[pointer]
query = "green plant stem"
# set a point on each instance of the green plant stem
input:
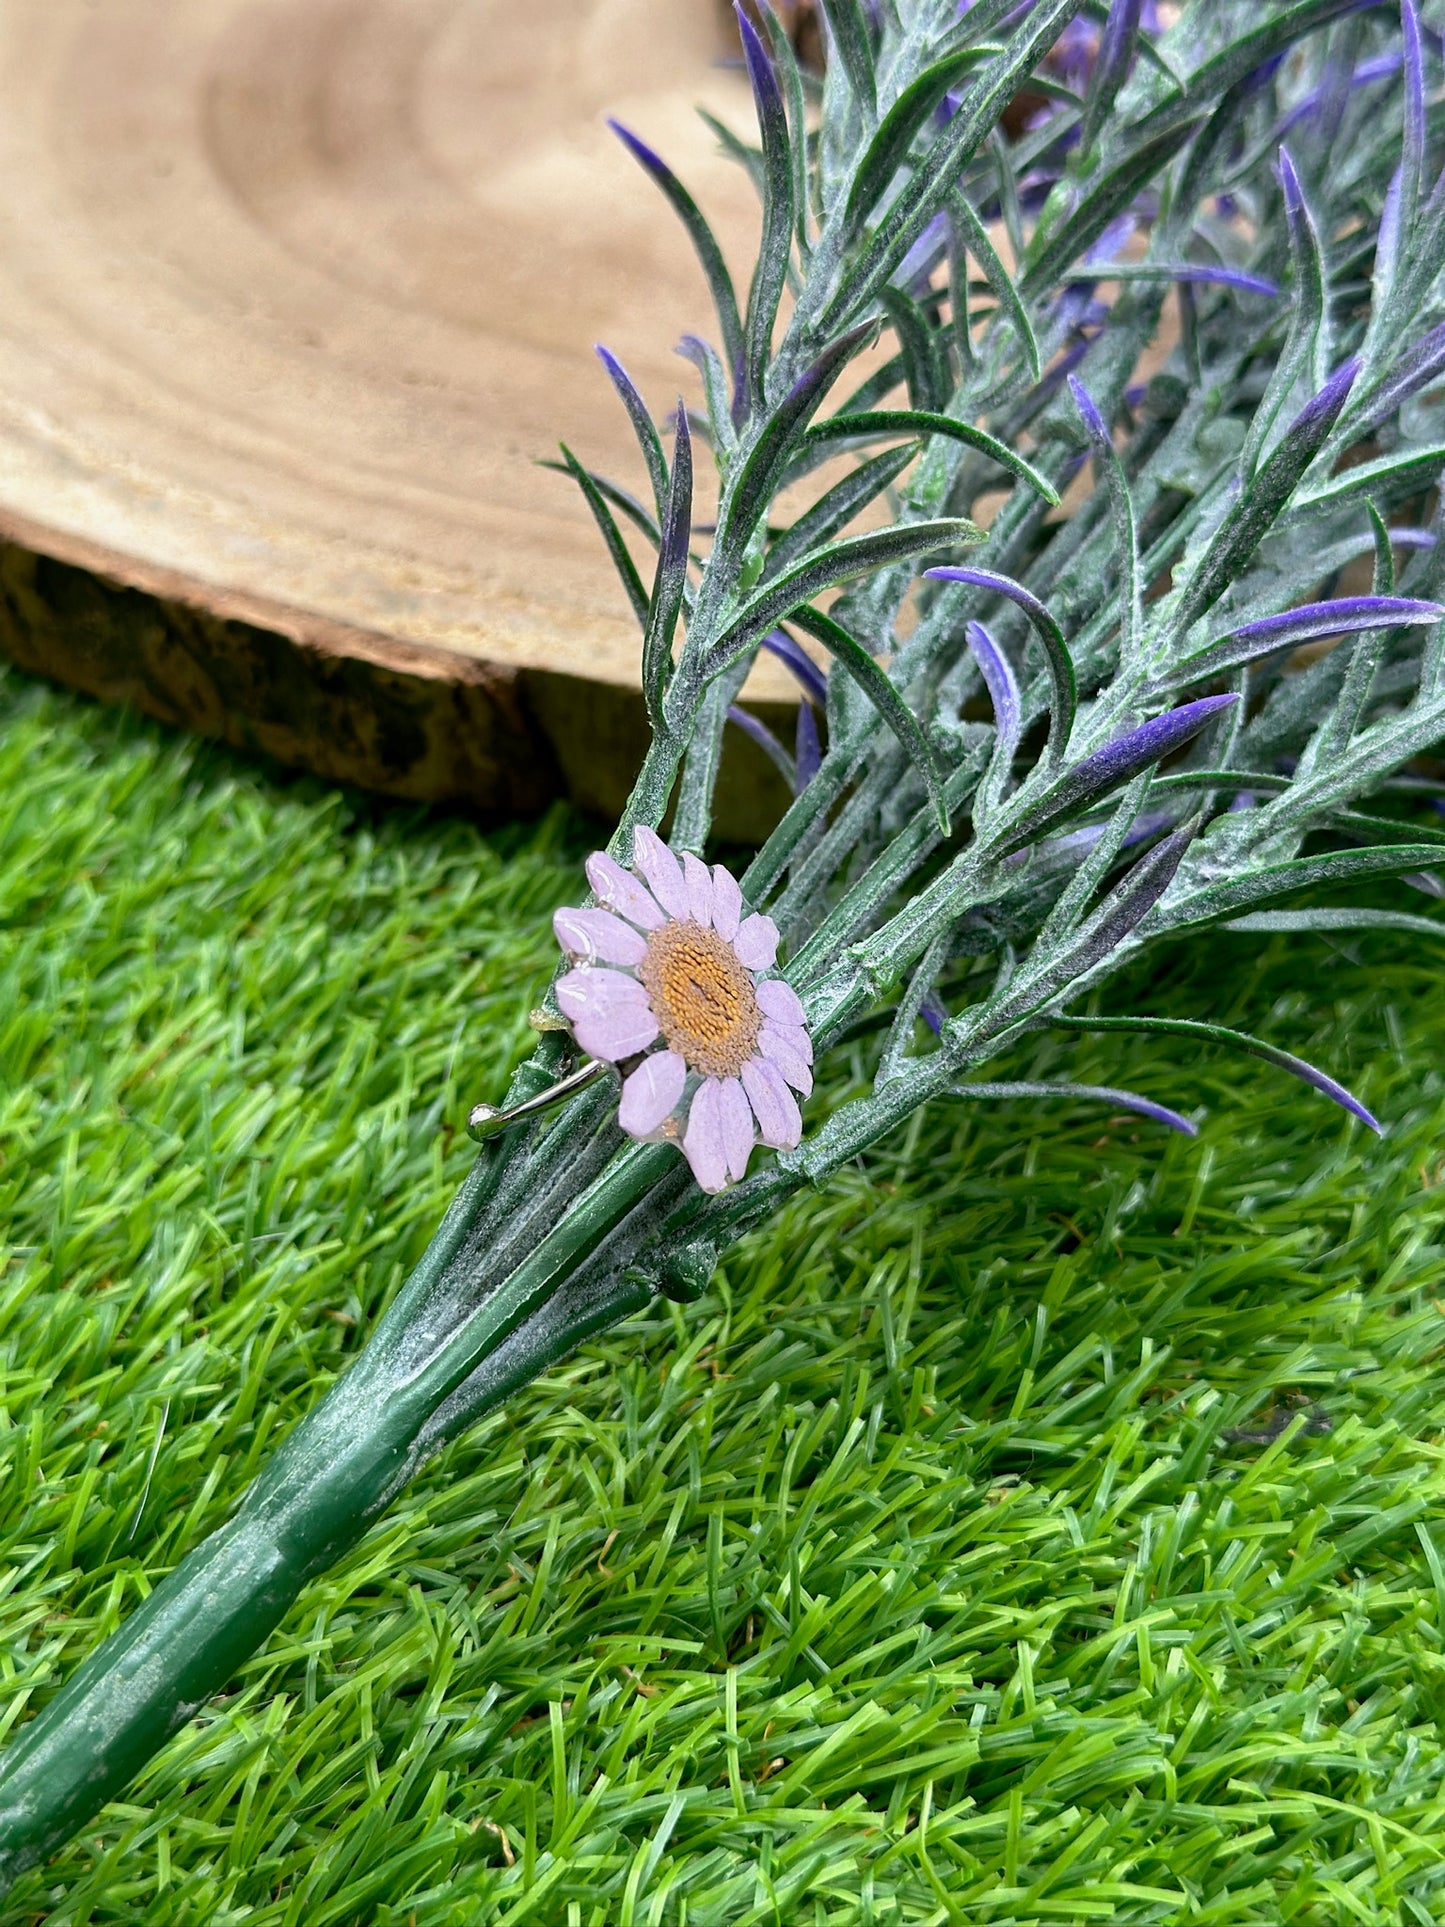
(335, 1473)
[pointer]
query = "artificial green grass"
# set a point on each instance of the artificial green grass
(913, 1575)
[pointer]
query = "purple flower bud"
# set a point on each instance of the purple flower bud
(1424, 364)
(1147, 744)
(1002, 688)
(814, 682)
(1344, 616)
(807, 751)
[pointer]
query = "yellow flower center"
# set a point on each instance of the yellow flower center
(702, 998)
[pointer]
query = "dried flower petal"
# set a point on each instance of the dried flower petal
(621, 891)
(651, 1094)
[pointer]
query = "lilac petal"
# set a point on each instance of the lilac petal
(780, 1001)
(704, 1145)
(698, 879)
(776, 1047)
(727, 902)
(652, 1093)
(660, 870)
(616, 1034)
(609, 1012)
(774, 1106)
(598, 936)
(998, 677)
(616, 1022)
(591, 988)
(792, 1037)
(737, 1126)
(756, 943)
(620, 891)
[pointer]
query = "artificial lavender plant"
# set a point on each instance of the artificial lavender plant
(1047, 736)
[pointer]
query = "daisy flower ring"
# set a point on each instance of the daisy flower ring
(667, 969)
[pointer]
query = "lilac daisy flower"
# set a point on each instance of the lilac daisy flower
(670, 960)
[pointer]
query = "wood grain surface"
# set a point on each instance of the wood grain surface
(294, 294)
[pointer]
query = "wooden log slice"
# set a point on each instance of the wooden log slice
(294, 294)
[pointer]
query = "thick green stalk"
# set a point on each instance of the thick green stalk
(335, 1473)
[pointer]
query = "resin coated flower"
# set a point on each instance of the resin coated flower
(666, 971)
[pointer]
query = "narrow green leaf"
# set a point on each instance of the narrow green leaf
(670, 583)
(643, 426)
(1305, 873)
(925, 364)
(1111, 70)
(849, 34)
(611, 535)
(1202, 1033)
(1109, 470)
(1300, 358)
(775, 245)
(761, 475)
(824, 568)
(888, 149)
(873, 680)
(919, 421)
(973, 235)
(703, 239)
(832, 512)
(1404, 473)
(1315, 922)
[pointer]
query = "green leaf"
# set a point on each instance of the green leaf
(643, 426)
(1109, 470)
(973, 235)
(851, 39)
(1201, 1033)
(824, 568)
(1111, 70)
(919, 421)
(761, 475)
(786, 61)
(1304, 922)
(775, 246)
(1302, 355)
(1217, 900)
(669, 586)
(888, 149)
(873, 680)
(925, 363)
(611, 535)
(1404, 473)
(835, 510)
(702, 237)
